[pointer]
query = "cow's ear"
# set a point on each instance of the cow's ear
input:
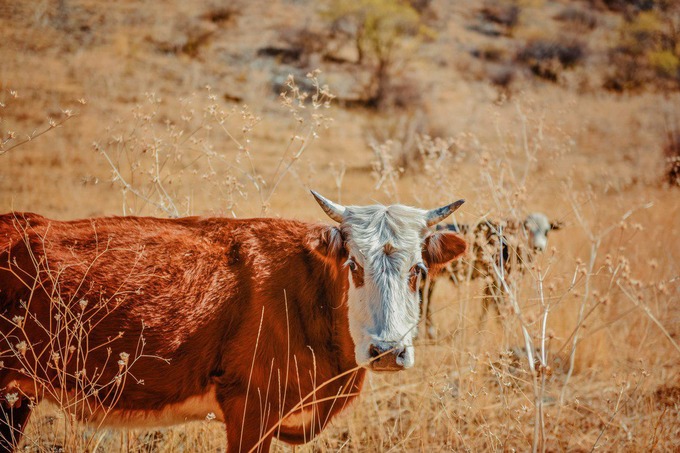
(442, 247)
(327, 241)
(557, 225)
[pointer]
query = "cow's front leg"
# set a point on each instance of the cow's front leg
(247, 429)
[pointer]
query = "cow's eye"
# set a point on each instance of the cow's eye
(352, 265)
(421, 269)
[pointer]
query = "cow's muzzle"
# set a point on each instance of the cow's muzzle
(387, 358)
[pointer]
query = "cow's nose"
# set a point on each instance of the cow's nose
(387, 358)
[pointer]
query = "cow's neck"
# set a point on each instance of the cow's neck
(337, 377)
(335, 307)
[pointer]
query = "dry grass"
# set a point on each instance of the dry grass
(598, 313)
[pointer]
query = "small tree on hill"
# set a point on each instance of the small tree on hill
(384, 33)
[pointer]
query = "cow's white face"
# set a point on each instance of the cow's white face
(537, 226)
(385, 251)
(389, 248)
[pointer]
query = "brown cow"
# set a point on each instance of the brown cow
(267, 325)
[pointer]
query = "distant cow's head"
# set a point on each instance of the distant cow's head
(537, 226)
(387, 249)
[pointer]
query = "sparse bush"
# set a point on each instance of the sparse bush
(499, 18)
(502, 76)
(647, 51)
(489, 52)
(382, 32)
(309, 41)
(547, 58)
(502, 13)
(403, 133)
(626, 6)
(298, 46)
(577, 18)
(671, 153)
(665, 62)
(220, 15)
(420, 5)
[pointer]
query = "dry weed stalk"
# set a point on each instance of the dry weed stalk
(384, 170)
(11, 141)
(156, 160)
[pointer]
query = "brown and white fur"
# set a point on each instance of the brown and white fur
(497, 249)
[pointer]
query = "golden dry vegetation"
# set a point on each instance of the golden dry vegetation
(173, 108)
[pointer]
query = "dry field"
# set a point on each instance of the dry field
(172, 108)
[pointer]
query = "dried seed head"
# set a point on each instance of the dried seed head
(21, 348)
(11, 398)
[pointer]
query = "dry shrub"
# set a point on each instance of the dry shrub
(496, 67)
(626, 6)
(647, 51)
(547, 58)
(220, 14)
(300, 47)
(499, 18)
(577, 19)
(506, 15)
(421, 6)
(671, 152)
(502, 76)
(489, 52)
(404, 132)
(385, 34)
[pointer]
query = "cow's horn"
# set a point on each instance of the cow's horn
(435, 216)
(335, 211)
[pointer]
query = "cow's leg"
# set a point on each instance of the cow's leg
(425, 292)
(245, 432)
(429, 323)
(430, 329)
(13, 421)
(421, 305)
(489, 299)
